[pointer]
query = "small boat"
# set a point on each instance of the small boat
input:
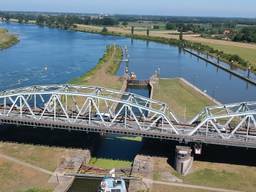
(112, 184)
(133, 76)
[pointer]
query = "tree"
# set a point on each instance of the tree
(125, 23)
(104, 30)
(170, 26)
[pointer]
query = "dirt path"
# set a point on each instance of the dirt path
(25, 164)
(150, 182)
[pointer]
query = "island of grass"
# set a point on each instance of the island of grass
(183, 100)
(7, 39)
(103, 74)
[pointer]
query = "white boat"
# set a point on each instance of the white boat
(110, 184)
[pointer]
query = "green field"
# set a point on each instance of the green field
(239, 178)
(109, 163)
(249, 54)
(183, 100)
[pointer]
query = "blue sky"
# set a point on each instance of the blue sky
(226, 8)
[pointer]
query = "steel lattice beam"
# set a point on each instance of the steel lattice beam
(111, 110)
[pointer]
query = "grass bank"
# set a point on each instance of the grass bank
(7, 39)
(109, 163)
(244, 52)
(103, 74)
(228, 176)
(182, 99)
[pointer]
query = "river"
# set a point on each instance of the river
(46, 56)
(49, 56)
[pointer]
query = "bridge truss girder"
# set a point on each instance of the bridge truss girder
(106, 109)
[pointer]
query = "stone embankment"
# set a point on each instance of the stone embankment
(70, 164)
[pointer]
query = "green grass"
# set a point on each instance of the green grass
(248, 54)
(184, 101)
(34, 154)
(5, 171)
(109, 163)
(216, 178)
(156, 176)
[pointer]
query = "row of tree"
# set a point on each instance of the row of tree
(213, 28)
(60, 20)
(246, 34)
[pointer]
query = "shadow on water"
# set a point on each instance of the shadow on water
(230, 155)
(113, 147)
(84, 185)
(117, 148)
(210, 153)
(47, 137)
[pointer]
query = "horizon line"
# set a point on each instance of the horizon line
(130, 14)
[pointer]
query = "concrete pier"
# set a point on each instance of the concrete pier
(183, 159)
(246, 78)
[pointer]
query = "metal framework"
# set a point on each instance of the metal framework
(97, 109)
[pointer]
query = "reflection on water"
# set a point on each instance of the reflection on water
(85, 185)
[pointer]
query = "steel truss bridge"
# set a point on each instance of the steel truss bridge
(106, 111)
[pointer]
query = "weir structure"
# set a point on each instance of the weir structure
(106, 111)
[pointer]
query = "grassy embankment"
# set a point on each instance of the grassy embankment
(7, 39)
(242, 54)
(244, 50)
(103, 74)
(182, 99)
(210, 174)
(16, 177)
(228, 176)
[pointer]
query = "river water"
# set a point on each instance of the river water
(49, 56)
(46, 56)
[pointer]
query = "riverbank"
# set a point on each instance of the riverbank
(240, 58)
(33, 159)
(6, 39)
(26, 163)
(236, 54)
(103, 74)
(184, 100)
(209, 173)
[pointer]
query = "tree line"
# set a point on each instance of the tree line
(60, 20)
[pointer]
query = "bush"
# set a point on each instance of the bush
(104, 30)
